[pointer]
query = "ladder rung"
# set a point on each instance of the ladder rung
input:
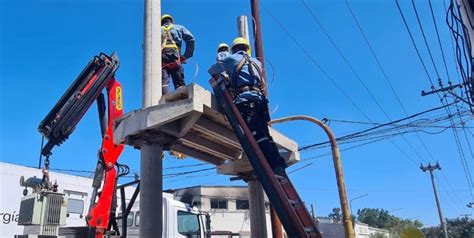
(281, 179)
(294, 203)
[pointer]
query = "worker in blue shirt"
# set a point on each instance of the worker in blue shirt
(244, 79)
(222, 51)
(172, 37)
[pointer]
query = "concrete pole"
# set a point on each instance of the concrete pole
(430, 168)
(258, 221)
(151, 187)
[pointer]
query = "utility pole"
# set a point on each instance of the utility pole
(431, 168)
(151, 164)
(277, 230)
(465, 10)
(258, 221)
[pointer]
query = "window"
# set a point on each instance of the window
(242, 204)
(196, 204)
(218, 204)
(75, 206)
(129, 219)
(137, 219)
(188, 224)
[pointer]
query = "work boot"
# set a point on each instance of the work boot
(280, 170)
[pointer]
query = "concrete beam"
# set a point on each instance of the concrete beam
(190, 119)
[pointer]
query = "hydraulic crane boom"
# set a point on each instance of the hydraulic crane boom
(281, 193)
(60, 122)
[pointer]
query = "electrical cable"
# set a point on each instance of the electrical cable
(424, 38)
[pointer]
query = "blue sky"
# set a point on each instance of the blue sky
(46, 43)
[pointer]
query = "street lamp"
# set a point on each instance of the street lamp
(350, 202)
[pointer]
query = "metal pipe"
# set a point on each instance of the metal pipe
(151, 164)
(242, 27)
(346, 214)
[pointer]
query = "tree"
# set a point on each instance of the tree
(336, 214)
(457, 228)
(377, 235)
(381, 218)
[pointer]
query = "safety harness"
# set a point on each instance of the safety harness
(254, 71)
(168, 41)
(170, 47)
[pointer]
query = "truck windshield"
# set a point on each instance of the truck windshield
(188, 224)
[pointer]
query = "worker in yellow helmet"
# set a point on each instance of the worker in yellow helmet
(244, 78)
(173, 36)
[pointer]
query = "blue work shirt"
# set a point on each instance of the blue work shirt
(229, 64)
(222, 55)
(180, 34)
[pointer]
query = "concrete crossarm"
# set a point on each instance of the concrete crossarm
(188, 121)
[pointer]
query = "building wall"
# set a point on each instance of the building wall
(365, 231)
(332, 229)
(228, 219)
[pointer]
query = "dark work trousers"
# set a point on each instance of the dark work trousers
(255, 113)
(176, 73)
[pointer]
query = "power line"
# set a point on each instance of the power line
(387, 79)
(413, 42)
(439, 39)
(354, 72)
(379, 64)
(324, 72)
(382, 125)
(424, 38)
(314, 61)
(339, 51)
(458, 146)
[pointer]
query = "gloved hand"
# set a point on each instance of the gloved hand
(183, 59)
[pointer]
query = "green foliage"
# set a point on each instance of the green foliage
(457, 228)
(381, 218)
(336, 214)
(377, 235)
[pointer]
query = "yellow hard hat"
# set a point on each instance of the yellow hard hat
(222, 47)
(241, 41)
(166, 16)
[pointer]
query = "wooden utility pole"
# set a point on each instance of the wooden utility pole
(431, 168)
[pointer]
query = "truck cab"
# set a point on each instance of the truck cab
(180, 220)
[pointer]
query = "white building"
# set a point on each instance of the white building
(227, 205)
(333, 229)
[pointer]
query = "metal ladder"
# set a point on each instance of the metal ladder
(291, 210)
